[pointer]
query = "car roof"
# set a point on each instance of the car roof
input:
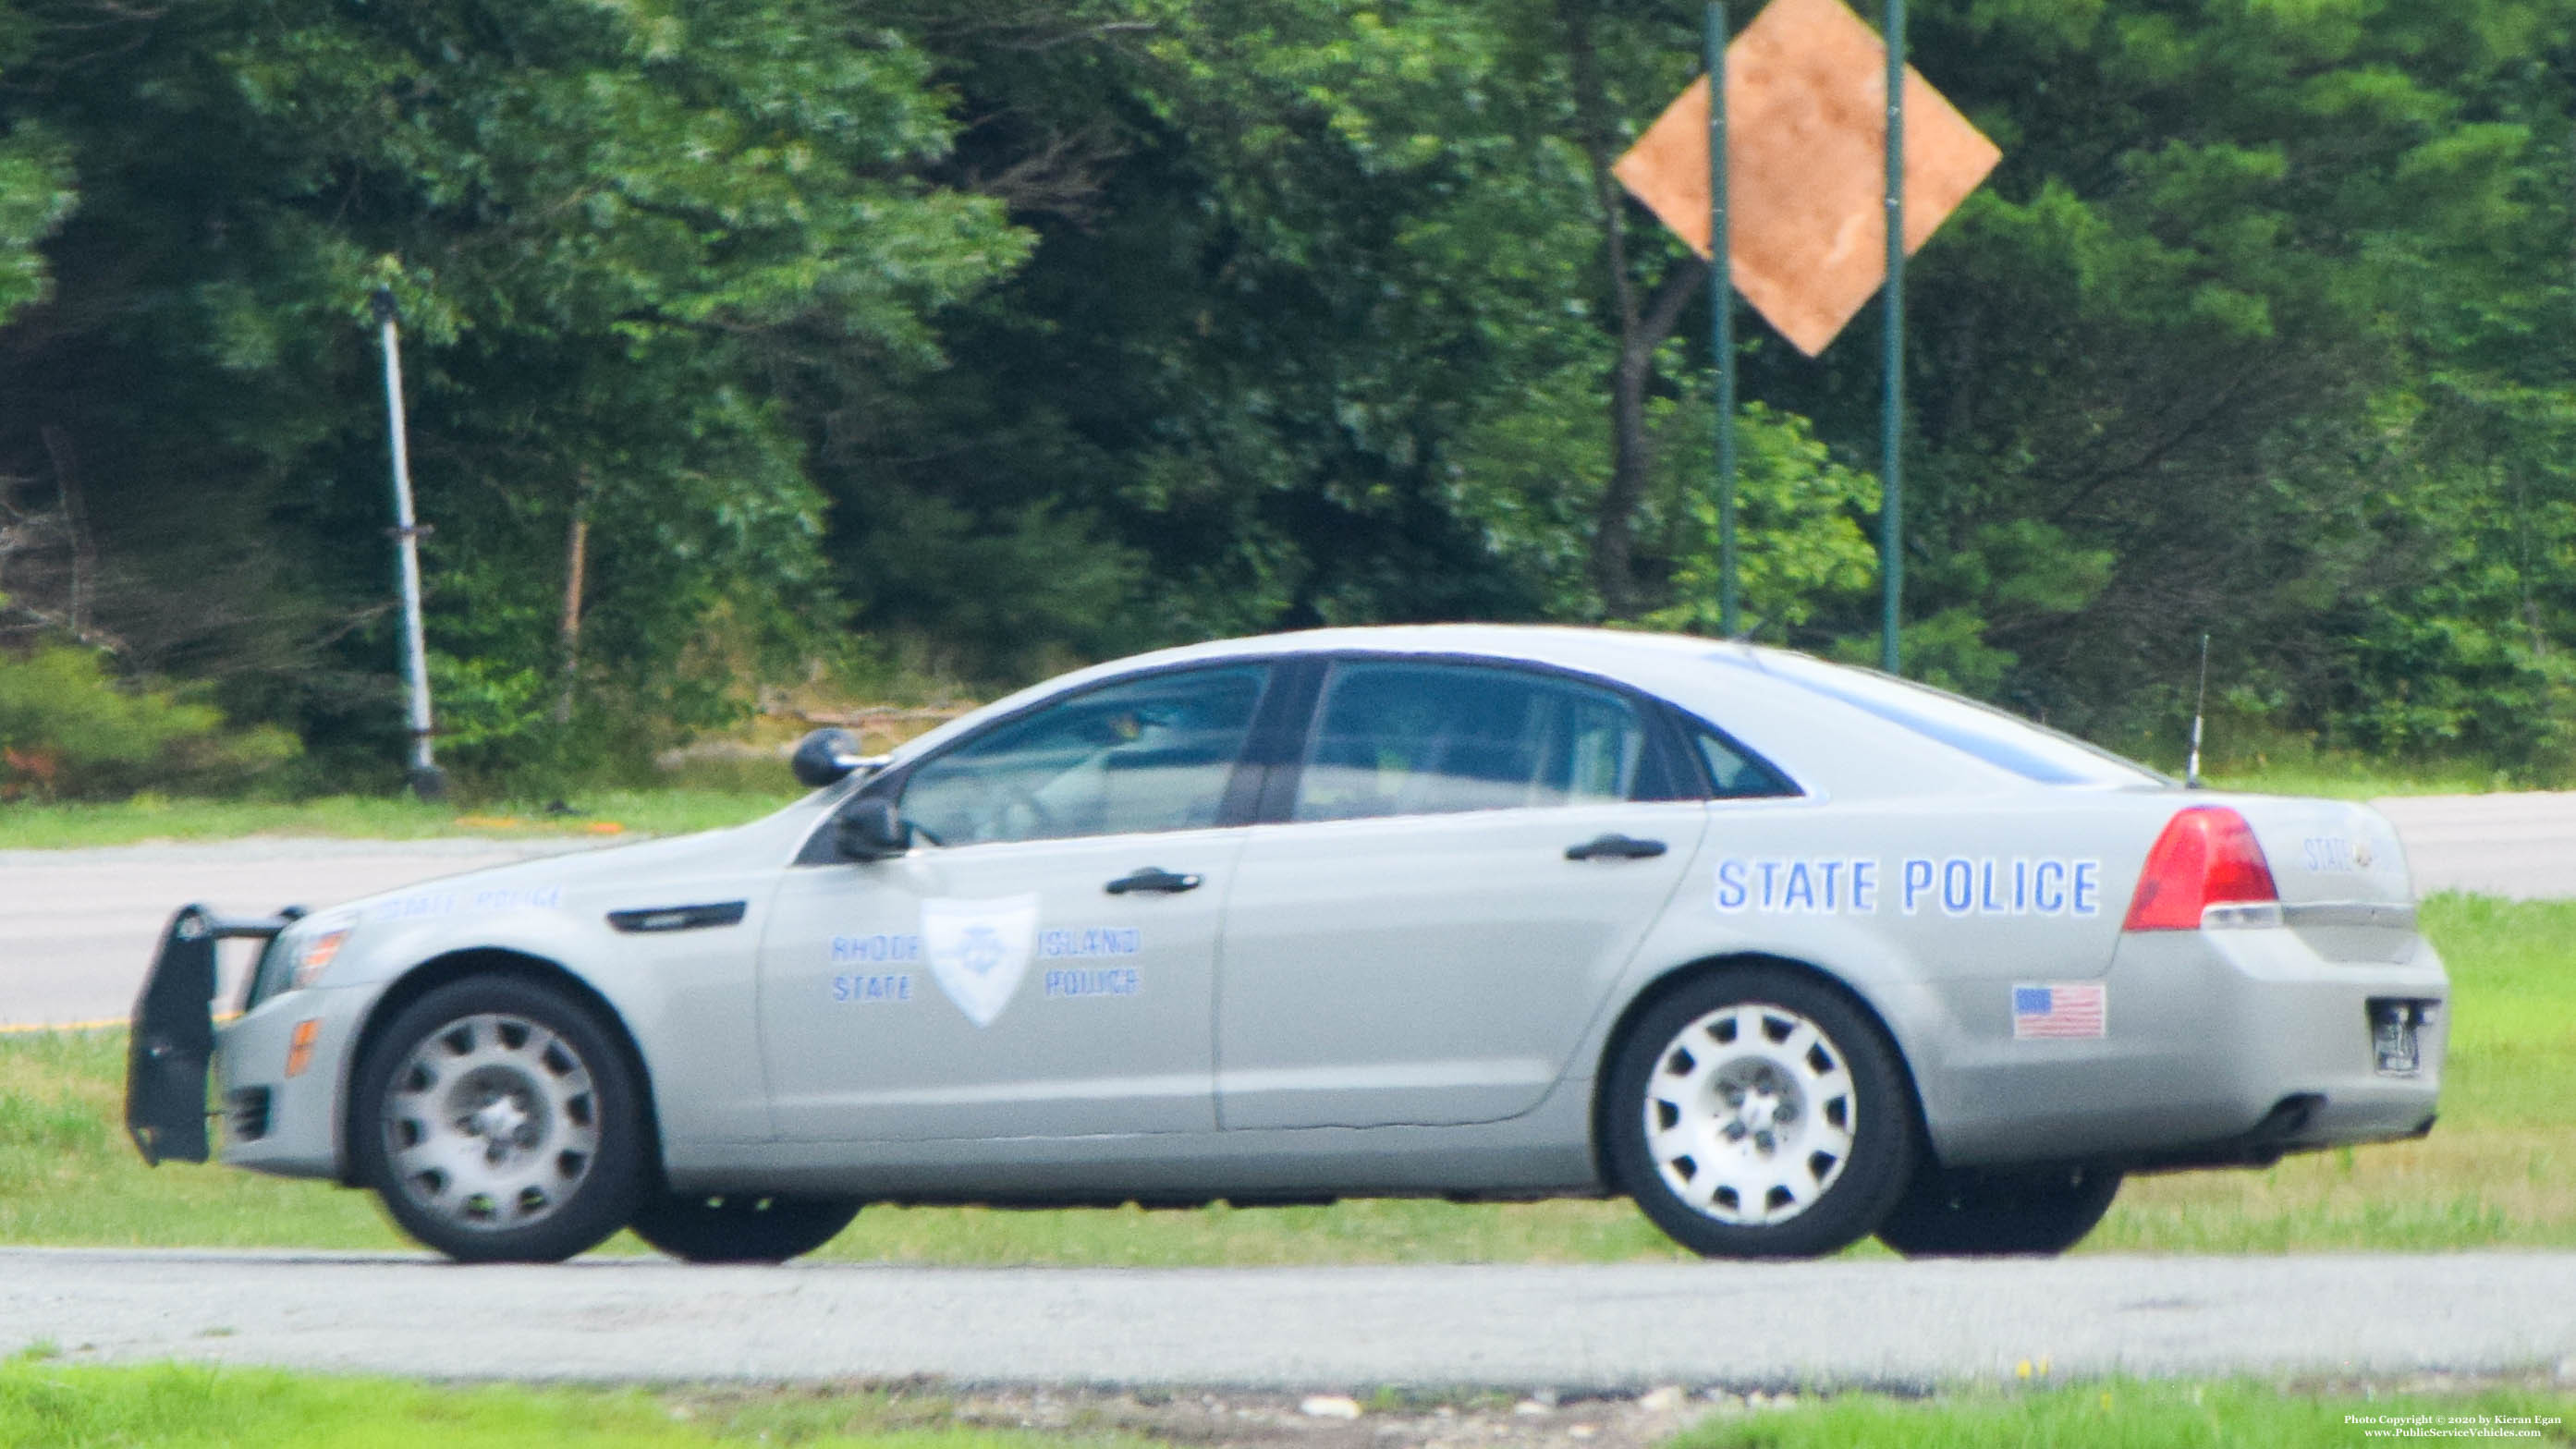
(1605, 651)
(1829, 739)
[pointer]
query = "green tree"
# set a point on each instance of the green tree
(606, 225)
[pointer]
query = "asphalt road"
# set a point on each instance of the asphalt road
(2521, 845)
(1628, 1327)
(77, 927)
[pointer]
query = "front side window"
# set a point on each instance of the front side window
(1398, 738)
(1150, 754)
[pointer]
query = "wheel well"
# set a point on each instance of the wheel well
(438, 971)
(1681, 976)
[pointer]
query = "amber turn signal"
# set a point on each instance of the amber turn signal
(299, 1048)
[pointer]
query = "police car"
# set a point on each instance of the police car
(1790, 953)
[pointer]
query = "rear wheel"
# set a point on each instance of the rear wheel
(739, 1227)
(1758, 1113)
(2041, 1214)
(499, 1123)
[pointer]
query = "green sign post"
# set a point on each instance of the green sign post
(1891, 420)
(1721, 318)
(1809, 169)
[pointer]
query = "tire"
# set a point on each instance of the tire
(1948, 1215)
(739, 1227)
(499, 1123)
(1759, 1113)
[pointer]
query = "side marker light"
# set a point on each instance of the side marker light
(299, 1047)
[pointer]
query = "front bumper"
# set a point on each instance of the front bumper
(2223, 1046)
(289, 1125)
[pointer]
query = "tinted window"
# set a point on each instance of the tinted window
(1151, 754)
(1423, 739)
(1734, 774)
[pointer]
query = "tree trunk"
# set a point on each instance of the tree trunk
(576, 560)
(1632, 456)
(58, 447)
(1642, 327)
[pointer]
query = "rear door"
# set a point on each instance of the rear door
(1469, 855)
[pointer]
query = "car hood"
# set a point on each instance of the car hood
(648, 870)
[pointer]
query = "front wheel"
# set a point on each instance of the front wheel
(2041, 1214)
(1758, 1113)
(499, 1122)
(739, 1227)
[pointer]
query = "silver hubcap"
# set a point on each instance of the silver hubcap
(1749, 1114)
(491, 1122)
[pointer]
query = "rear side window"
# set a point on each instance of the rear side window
(1733, 772)
(1406, 738)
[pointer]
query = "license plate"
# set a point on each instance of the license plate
(2392, 1037)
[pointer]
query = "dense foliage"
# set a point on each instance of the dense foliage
(992, 334)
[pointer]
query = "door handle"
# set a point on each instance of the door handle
(1614, 847)
(1151, 878)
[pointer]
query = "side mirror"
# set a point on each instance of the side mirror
(825, 756)
(870, 830)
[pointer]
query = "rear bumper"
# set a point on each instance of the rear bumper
(2222, 1047)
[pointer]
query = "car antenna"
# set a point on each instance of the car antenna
(2199, 707)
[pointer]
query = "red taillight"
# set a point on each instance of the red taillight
(2206, 857)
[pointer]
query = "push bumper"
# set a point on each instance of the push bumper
(2221, 1047)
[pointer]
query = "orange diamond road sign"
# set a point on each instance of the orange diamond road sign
(1806, 157)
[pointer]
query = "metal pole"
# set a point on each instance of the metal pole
(426, 780)
(1721, 307)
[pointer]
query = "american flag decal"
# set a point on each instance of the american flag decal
(2078, 1010)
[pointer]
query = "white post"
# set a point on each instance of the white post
(426, 780)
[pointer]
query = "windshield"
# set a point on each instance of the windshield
(2008, 742)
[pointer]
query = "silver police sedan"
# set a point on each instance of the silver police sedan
(1788, 952)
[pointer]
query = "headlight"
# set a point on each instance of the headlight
(314, 957)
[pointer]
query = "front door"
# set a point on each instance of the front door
(1416, 944)
(1042, 963)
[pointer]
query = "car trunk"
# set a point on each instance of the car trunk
(2341, 873)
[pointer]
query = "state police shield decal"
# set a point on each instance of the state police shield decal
(979, 949)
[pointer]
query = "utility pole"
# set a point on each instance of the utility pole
(426, 780)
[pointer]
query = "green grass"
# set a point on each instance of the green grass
(153, 818)
(2125, 1414)
(64, 1407)
(2363, 781)
(2499, 1171)
(2301, 771)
